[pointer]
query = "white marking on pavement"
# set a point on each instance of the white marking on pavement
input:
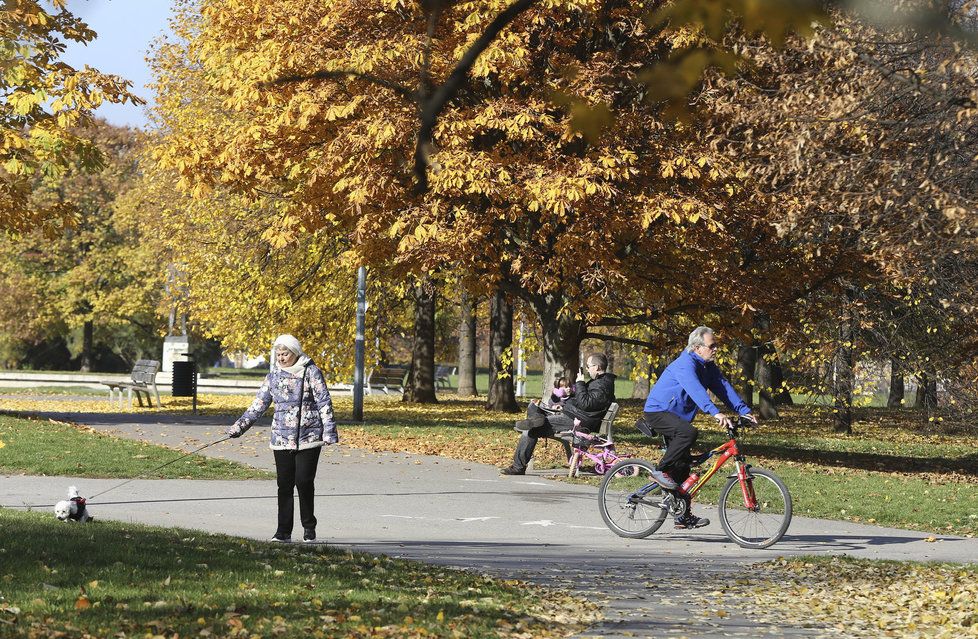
(532, 483)
(468, 519)
(549, 522)
(491, 481)
(461, 519)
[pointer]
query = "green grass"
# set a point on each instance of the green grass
(888, 474)
(43, 447)
(108, 578)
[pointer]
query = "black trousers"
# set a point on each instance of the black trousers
(680, 436)
(550, 425)
(296, 471)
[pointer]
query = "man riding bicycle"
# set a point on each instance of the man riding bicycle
(679, 393)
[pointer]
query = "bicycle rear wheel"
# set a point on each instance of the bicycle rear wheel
(630, 500)
(761, 526)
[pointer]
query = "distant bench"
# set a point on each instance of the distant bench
(391, 378)
(387, 379)
(142, 380)
(442, 373)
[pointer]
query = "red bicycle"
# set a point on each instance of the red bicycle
(755, 505)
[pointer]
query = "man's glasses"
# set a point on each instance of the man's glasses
(712, 346)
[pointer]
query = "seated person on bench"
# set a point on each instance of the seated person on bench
(590, 402)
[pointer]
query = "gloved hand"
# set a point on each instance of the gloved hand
(232, 431)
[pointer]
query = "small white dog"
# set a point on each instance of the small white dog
(73, 509)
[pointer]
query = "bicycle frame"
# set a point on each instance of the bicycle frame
(603, 460)
(723, 453)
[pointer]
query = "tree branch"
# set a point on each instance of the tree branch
(620, 340)
(434, 105)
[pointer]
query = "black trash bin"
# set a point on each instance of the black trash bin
(184, 382)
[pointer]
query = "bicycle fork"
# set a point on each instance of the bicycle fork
(746, 485)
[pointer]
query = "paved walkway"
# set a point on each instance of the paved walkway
(464, 514)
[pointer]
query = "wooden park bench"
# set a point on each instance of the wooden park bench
(387, 379)
(142, 381)
(442, 373)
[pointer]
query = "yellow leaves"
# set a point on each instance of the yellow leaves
(867, 598)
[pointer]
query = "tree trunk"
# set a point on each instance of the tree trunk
(767, 408)
(782, 396)
(842, 379)
(747, 363)
(88, 346)
(502, 390)
(562, 336)
(643, 383)
(609, 352)
(420, 386)
(467, 347)
(897, 392)
(926, 393)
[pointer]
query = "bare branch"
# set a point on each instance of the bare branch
(434, 105)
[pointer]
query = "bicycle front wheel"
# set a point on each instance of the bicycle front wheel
(762, 525)
(630, 500)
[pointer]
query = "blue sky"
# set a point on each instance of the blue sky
(125, 30)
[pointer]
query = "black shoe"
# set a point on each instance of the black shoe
(691, 521)
(511, 470)
(309, 535)
(281, 538)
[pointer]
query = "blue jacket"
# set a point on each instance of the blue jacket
(681, 389)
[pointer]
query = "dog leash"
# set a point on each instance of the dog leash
(153, 470)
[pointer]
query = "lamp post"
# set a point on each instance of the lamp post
(359, 347)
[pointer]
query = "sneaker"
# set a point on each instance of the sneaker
(511, 470)
(664, 479)
(280, 538)
(309, 535)
(691, 521)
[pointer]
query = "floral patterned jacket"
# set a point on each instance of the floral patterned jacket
(297, 397)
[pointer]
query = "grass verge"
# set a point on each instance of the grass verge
(45, 447)
(859, 597)
(104, 579)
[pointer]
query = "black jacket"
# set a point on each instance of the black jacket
(591, 401)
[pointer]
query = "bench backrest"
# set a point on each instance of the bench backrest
(608, 421)
(388, 375)
(144, 371)
(444, 371)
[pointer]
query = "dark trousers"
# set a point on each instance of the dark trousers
(550, 425)
(296, 471)
(680, 436)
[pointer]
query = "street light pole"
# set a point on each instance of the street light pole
(359, 352)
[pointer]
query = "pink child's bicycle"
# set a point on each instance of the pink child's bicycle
(599, 450)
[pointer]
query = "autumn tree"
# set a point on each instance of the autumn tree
(632, 225)
(93, 276)
(44, 103)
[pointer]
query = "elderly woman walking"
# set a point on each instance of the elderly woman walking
(302, 424)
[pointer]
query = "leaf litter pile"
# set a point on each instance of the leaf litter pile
(846, 597)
